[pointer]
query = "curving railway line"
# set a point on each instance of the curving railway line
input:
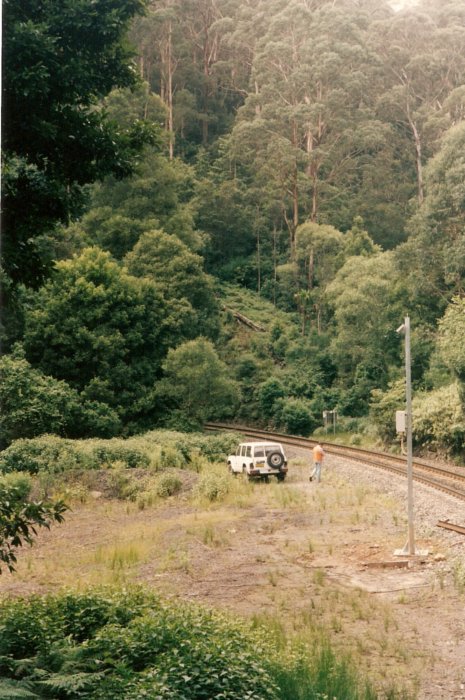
(450, 481)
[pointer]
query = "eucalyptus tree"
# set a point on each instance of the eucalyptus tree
(367, 299)
(319, 254)
(308, 122)
(433, 258)
(186, 60)
(159, 42)
(423, 52)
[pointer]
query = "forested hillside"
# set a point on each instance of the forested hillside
(225, 208)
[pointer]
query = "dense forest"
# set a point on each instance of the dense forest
(225, 208)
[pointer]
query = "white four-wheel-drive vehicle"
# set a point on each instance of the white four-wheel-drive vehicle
(259, 460)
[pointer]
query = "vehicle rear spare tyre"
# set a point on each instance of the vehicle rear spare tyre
(275, 460)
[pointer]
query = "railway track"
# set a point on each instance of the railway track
(449, 481)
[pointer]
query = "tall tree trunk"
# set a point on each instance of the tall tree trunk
(259, 279)
(275, 273)
(314, 193)
(311, 268)
(170, 91)
(418, 159)
(258, 108)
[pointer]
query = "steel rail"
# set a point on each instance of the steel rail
(451, 526)
(378, 459)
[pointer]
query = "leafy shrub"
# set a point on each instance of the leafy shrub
(438, 420)
(47, 453)
(383, 408)
(214, 447)
(32, 403)
(269, 393)
(145, 648)
(18, 483)
(108, 454)
(107, 645)
(213, 486)
(295, 416)
(218, 446)
(121, 484)
(28, 626)
(172, 457)
(168, 485)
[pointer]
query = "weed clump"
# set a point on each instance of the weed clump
(212, 486)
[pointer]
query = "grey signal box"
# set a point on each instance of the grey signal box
(400, 422)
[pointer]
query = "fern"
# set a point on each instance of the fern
(16, 690)
(72, 683)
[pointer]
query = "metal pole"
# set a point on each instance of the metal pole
(408, 395)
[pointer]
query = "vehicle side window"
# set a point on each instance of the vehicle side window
(243, 451)
(259, 452)
(249, 452)
(238, 451)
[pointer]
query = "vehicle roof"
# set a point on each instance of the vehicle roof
(259, 442)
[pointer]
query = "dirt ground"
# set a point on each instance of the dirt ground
(299, 555)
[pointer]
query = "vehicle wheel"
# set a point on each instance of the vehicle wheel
(280, 477)
(275, 460)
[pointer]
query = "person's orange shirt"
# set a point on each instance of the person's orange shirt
(318, 453)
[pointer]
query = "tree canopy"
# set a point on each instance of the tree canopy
(59, 60)
(246, 205)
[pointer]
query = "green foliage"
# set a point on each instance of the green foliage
(217, 446)
(47, 453)
(319, 253)
(178, 274)
(213, 486)
(121, 484)
(60, 59)
(145, 648)
(383, 407)
(439, 421)
(105, 645)
(19, 483)
(196, 382)
(168, 485)
(57, 455)
(270, 393)
(367, 307)
(451, 339)
(157, 449)
(20, 519)
(113, 451)
(295, 416)
(32, 403)
(104, 332)
(326, 676)
(158, 196)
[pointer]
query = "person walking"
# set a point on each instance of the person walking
(318, 457)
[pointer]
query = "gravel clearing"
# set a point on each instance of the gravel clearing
(429, 505)
(307, 553)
